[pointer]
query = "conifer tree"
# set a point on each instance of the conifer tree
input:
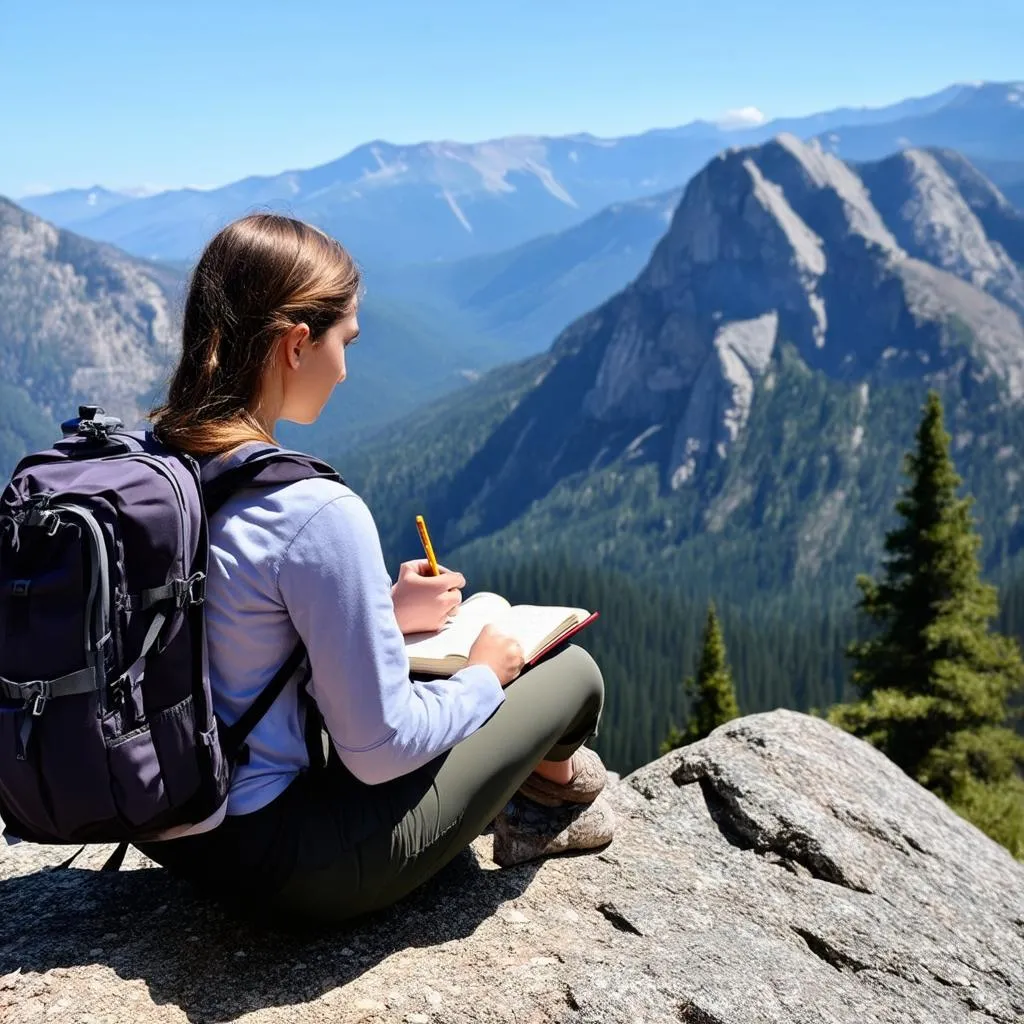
(712, 696)
(935, 681)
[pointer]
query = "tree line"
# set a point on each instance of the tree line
(925, 665)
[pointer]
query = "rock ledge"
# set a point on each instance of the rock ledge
(778, 871)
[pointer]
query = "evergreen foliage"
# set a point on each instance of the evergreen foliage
(935, 681)
(712, 698)
(644, 635)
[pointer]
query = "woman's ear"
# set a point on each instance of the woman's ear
(293, 343)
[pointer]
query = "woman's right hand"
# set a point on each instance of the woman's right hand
(499, 651)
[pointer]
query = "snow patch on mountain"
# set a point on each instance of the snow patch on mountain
(457, 210)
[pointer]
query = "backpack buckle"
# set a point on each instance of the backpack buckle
(38, 703)
(195, 588)
(119, 690)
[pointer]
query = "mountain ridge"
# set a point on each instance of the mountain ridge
(468, 198)
(751, 390)
(80, 321)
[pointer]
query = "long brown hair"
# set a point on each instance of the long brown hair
(257, 278)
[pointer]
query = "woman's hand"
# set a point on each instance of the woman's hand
(499, 651)
(424, 602)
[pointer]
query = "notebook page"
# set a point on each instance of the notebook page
(457, 636)
(534, 625)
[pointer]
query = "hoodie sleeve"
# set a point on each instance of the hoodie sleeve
(336, 587)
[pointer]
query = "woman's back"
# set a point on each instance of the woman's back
(304, 562)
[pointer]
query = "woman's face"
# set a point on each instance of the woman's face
(313, 371)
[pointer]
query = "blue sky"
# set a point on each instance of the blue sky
(203, 93)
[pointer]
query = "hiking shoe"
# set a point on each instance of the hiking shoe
(525, 830)
(588, 779)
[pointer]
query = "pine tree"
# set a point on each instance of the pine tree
(935, 681)
(712, 696)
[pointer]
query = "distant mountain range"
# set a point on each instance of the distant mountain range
(445, 200)
(734, 419)
(526, 295)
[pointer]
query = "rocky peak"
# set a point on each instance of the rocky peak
(779, 871)
(1003, 221)
(80, 321)
(826, 192)
(935, 221)
(876, 274)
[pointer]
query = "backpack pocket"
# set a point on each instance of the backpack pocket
(22, 794)
(136, 781)
(174, 736)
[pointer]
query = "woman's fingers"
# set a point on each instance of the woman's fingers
(455, 579)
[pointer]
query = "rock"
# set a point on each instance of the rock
(778, 871)
(79, 322)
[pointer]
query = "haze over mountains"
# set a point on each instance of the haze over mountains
(445, 200)
(737, 414)
(82, 321)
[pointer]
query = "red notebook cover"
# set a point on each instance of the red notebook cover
(558, 641)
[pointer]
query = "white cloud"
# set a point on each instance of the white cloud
(741, 117)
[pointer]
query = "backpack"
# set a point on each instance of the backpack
(107, 727)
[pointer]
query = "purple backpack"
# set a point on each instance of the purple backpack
(107, 728)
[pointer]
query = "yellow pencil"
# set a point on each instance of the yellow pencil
(428, 548)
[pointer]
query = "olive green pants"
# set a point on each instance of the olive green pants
(331, 848)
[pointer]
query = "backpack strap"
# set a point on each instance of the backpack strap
(261, 466)
(265, 466)
(233, 737)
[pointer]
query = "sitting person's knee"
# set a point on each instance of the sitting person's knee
(587, 672)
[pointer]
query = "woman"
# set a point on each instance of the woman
(416, 768)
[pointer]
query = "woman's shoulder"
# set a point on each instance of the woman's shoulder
(306, 498)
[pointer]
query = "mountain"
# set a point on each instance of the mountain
(734, 419)
(74, 205)
(401, 204)
(526, 295)
(407, 204)
(79, 322)
(942, 210)
(1008, 175)
(984, 121)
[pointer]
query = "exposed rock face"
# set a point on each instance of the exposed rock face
(789, 236)
(934, 219)
(779, 871)
(80, 321)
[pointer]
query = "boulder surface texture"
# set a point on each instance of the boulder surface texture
(778, 871)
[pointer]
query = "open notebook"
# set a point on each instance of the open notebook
(538, 628)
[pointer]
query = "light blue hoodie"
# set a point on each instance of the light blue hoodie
(304, 561)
